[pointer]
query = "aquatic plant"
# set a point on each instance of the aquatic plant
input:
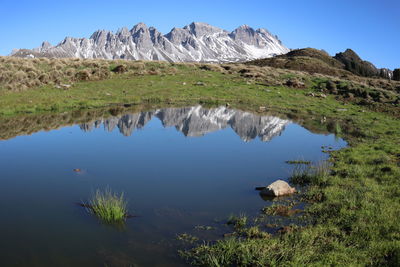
(237, 221)
(298, 161)
(108, 206)
(187, 238)
(280, 210)
(306, 174)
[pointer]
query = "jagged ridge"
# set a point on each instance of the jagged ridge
(198, 42)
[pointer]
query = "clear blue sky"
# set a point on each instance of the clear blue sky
(370, 27)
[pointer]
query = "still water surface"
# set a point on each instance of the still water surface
(178, 168)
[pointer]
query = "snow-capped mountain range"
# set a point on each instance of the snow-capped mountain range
(197, 42)
(198, 121)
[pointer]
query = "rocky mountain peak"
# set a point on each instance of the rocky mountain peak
(349, 53)
(264, 31)
(101, 37)
(198, 41)
(245, 34)
(66, 40)
(123, 32)
(140, 27)
(355, 64)
(200, 29)
(177, 35)
(45, 45)
(244, 28)
(99, 34)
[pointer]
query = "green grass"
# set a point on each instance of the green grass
(108, 206)
(237, 221)
(303, 174)
(352, 209)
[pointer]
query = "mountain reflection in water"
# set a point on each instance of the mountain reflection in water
(197, 121)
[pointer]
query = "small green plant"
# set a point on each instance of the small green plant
(237, 221)
(300, 174)
(255, 232)
(310, 174)
(108, 206)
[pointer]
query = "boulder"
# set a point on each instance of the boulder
(386, 73)
(278, 188)
(330, 85)
(310, 94)
(65, 86)
(295, 83)
(396, 75)
(120, 69)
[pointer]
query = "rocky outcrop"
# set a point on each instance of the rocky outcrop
(356, 65)
(396, 75)
(199, 42)
(198, 121)
(386, 73)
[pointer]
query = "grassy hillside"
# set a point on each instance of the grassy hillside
(353, 63)
(312, 60)
(309, 59)
(352, 211)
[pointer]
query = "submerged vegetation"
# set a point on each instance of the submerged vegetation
(237, 221)
(353, 201)
(108, 206)
(298, 161)
(281, 210)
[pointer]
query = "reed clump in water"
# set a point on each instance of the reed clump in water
(109, 206)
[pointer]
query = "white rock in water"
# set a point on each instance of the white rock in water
(278, 188)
